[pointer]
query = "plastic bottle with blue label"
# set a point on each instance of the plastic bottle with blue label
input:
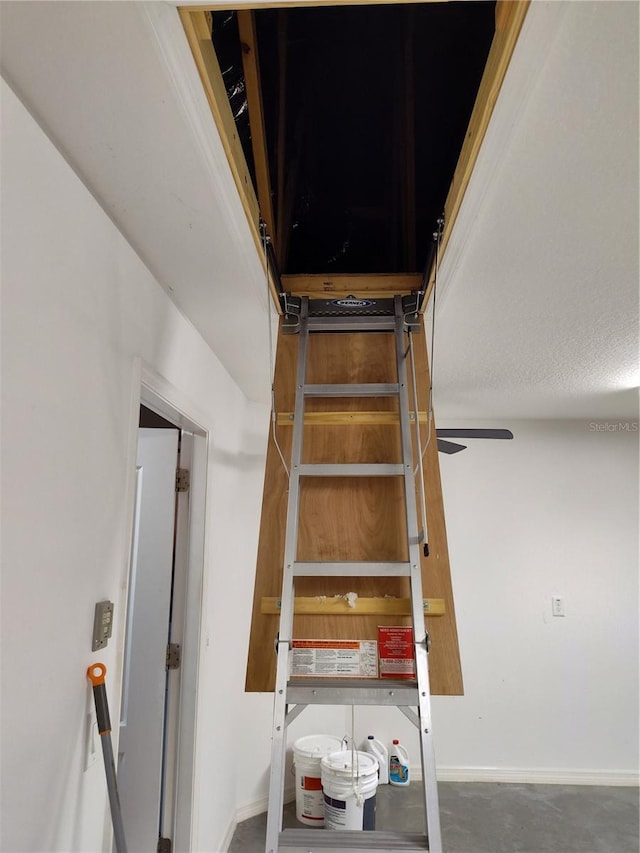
(379, 751)
(398, 765)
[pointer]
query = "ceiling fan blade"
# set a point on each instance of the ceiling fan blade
(450, 447)
(474, 433)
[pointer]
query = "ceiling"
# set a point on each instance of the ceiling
(537, 302)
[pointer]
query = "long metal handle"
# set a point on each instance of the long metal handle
(96, 674)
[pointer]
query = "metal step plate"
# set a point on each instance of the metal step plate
(317, 840)
(354, 389)
(351, 306)
(350, 314)
(355, 469)
(361, 691)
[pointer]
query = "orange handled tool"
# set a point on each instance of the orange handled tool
(96, 674)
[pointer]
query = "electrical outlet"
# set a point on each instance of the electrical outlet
(102, 625)
(92, 745)
(557, 606)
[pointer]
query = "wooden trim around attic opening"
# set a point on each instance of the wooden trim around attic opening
(289, 4)
(197, 27)
(251, 68)
(338, 286)
(510, 15)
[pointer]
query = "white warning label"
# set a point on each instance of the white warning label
(331, 658)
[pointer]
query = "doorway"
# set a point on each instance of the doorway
(156, 751)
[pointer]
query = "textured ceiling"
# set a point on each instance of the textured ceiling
(115, 87)
(537, 310)
(538, 294)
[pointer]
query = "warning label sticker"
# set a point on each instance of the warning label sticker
(396, 652)
(331, 658)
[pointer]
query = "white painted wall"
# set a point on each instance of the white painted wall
(553, 512)
(81, 314)
(136, 126)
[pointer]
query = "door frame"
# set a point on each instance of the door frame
(154, 392)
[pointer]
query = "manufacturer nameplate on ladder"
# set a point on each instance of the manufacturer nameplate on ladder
(183, 479)
(174, 656)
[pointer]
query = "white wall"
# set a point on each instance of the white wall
(553, 512)
(136, 126)
(81, 314)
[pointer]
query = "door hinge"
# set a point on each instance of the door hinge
(174, 656)
(164, 845)
(183, 479)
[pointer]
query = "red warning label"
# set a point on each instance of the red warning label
(395, 650)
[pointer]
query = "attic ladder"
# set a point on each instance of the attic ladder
(292, 696)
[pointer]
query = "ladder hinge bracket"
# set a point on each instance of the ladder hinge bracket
(183, 479)
(411, 312)
(174, 656)
(291, 310)
(278, 642)
(164, 845)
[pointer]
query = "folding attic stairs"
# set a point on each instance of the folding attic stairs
(332, 517)
(395, 319)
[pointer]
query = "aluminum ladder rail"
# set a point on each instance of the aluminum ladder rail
(291, 698)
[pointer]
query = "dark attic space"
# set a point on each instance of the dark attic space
(365, 112)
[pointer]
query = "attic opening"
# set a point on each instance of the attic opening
(365, 112)
(351, 128)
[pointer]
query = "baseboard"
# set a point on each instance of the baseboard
(256, 807)
(225, 844)
(539, 776)
(248, 810)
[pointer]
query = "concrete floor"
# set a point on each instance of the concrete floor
(497, 818)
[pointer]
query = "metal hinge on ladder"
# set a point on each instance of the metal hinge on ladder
(174, 656)
(183, 479)
(164, 845)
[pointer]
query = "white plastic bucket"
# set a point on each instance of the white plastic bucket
(307, 754)
(349, 784)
